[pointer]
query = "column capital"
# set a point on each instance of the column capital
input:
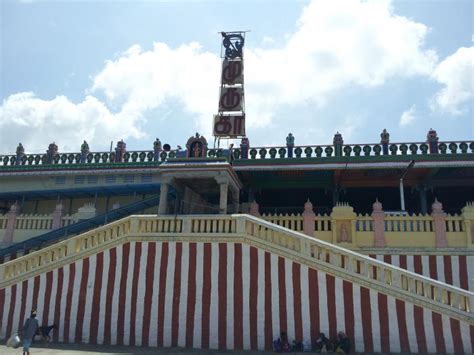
(221, 179)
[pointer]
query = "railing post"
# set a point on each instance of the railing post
(187, 225)
(378, 216)
(240, 226)
(468, 217)
(308, 219)
(439, 218)
(134, 226)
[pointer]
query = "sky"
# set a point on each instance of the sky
(109, 70)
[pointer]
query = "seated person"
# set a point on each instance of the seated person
(282, 344)
(322, 344)
(343, 344)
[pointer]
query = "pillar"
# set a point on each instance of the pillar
(439, 218)
(378, 216)
(58, 216)
(423, 201)
(163, 206)
(224, 188)
(468, 217)
(11, 222)
(236, 200)
(308, 219)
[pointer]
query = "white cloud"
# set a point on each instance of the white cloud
(408, 117)
(456, 73)
(335, 45)
(36, 123)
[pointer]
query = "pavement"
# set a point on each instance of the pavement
(85, 349)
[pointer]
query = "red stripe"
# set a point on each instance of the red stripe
(70, 288)
(110, 294)
(190, 309)
(268, 302)
(10, 313)
(176, 295)
(253, 294)
(331, 297)
(162, 289)
(47, 298)
(57, 306)
(82, 300)
(457, 338)
(418, 264)
(94, 323)
(24, 291)
(348, 309)
(463, 278)
(206, 296)
(403, 261)
(438, 332)
(366, 313)
(383, 319)
(133, 305)
(222, 295)
(433, 268)
(314, 303)
(123, 292)
(149, 277)
(297, 302)
(238, 293)
(420, 329)
(282, 294)
(2, 305)
(448, 271)
(402, 325)
(387, 259)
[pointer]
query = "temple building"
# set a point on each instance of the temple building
(225, 248)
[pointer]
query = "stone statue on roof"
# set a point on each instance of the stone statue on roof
(290, 140)
(20, 150)
(85, 148)
(157, 145)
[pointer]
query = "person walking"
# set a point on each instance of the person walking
(30, 329)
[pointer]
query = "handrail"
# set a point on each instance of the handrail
(328, 257)
(267, 152)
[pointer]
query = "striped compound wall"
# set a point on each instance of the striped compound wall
(219, 295)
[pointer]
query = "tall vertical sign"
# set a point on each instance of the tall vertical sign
(230, 120)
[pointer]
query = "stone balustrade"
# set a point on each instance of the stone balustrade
(381, 229)
(374, 150)
(25, 226)
(297, 246)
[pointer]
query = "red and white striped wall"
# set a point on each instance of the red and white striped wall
(219, 295)
(456, 270)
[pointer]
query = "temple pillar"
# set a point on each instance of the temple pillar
(163, 205)
(11, 222)
(223, 192)
(235, 201)
(423, 201)
(57, 216)
(224, 188)
(308, 219)
(378, 216)
(439, 218)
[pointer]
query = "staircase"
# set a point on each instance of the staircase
(346, 264)
(53, 236)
